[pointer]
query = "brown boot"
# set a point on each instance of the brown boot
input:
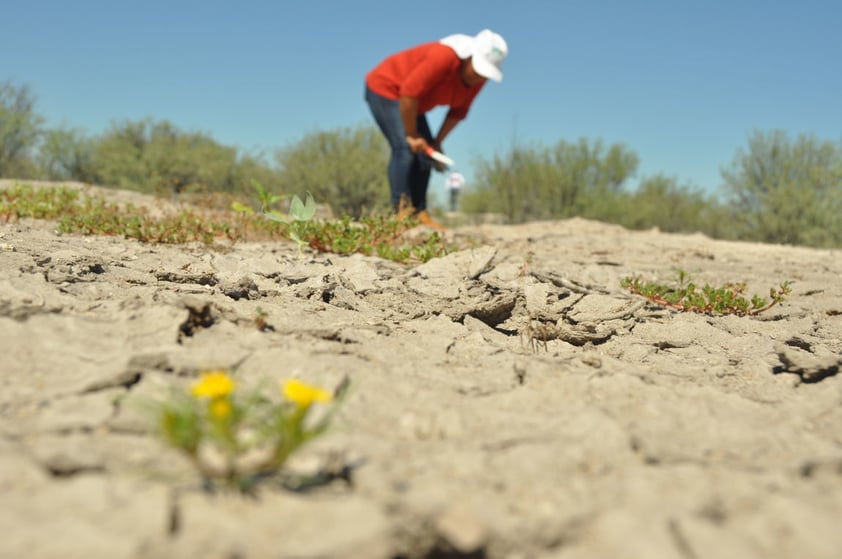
(404, 213)
(425, 218)
(405, 209)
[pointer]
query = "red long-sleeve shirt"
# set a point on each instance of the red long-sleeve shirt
(428, 72)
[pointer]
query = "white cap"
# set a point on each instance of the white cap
(488, 52)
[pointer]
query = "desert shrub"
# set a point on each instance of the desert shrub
(158, 157)
(661, 202)
(783, 191)
(344, 168)
(20, 129)
(66, 154)
(536, 182)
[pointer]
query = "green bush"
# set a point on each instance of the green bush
(569, 179)
(344, 168)
(787, 192)
(158, 157)
(66, 154)
(661, 202)
(20, 129)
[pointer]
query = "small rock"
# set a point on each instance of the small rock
(461, 528)
(808, 366)
(74, 413)
(67, 455)
(481, 261)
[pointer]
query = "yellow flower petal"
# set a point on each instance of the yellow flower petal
(303, 394)
(213, 384)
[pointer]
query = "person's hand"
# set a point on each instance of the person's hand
(417, 144)
(438, 165)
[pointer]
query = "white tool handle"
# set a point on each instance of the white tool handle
(440, 157)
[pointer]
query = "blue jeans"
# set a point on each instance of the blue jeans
(409, 173)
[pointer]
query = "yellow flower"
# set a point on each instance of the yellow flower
(303, 394)
(213, 385)
(220, 408)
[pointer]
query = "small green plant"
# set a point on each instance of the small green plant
(235, 439)
(376, 235)
(685, 295)
(266, 198)
(21, 201)
(373, 235)
(300, 213)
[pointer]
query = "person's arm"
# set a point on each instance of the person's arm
(455, 115)
(446, 127)
(409, 115)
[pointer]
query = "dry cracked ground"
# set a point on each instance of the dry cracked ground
(507, 401)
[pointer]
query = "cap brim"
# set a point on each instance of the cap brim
(486, 69)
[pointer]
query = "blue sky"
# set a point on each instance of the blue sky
(682, 84)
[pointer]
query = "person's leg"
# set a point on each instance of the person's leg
(419, 180)
(419, 177)
(387, 114)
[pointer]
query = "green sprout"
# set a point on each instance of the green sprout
(266, 198)
(299, 214)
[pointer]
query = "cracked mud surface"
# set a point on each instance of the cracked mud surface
(508, 401)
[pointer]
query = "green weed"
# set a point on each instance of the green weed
(378, 235)
(685, 295)
(93, 215)
(22, 201)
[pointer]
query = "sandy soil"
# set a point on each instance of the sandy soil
(633, 431)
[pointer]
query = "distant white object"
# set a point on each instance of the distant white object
(455, 180)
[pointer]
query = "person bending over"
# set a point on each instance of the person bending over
(406, 85)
